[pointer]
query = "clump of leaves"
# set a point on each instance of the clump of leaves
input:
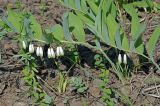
(106, 92)
(78, 85)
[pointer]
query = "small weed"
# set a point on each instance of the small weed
(78, 85)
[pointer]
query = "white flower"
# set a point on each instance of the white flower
(119, 59)
(49, 53)
(59, 51)
(40, 52)
(125, 59)
(24, 44)
(31, 48)
(52, 53)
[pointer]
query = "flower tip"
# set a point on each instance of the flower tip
(119, 59)
(31, 48)
(24, 44)
(125, 59)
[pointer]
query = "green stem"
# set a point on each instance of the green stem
(92, 47)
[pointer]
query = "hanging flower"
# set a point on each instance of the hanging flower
(52, 53)
(119, 59)
(59, 51)
(40, 52)
(24, 44)
(31, 48)
(125, 59)
(49, 53)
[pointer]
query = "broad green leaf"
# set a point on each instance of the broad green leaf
(85, 18)
(106, 6)
(139, 47)
(36, 28)
(65, 24)
(7, 23)
(125, 42)
(76, 27)
(135, 24)
(93, 6)
(142, 4)
(151, 44)
(105, 33)
(16, 20)
(78, 4)
(112, 30)
(118, 39)
(84, 6)
(136, 29)
(57, 32)
(113, 11)
(98, 24)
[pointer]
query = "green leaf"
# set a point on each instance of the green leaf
(76, 27)
(136, 29)
(7, 23)
(36, 28)
(142, 4)
(151, 44)
(65, 24)
(85, 18)
(47, 99)
(112, 30)
(57, 32)
(16, 20)
(125, 42)
(106, 6)
(93, 6)
(118, 39)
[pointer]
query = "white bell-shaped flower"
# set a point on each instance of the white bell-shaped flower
(52, 53)
(61, 51)
(49, 53)
(40, 52)
(119, 59)
(24, 44)
(125, 59)
(31, 48)
(58, 52)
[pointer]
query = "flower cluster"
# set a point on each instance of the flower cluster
(39, 50)
(124, 59)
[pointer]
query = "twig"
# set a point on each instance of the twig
(151, 88)
(48, 86)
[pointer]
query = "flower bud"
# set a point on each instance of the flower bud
(125, 59)
(49, 53)
(24, 44)
(58, 52)
(40, 52)
(31, 48)
(52, 53)
(119, 59)
(61, 51)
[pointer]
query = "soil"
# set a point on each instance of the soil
(13, 91)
